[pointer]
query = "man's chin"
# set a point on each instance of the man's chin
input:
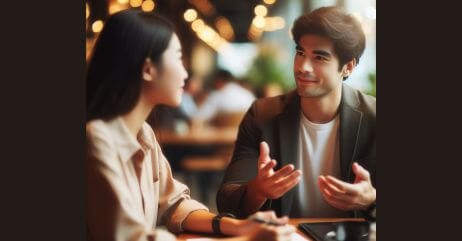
(309, 93)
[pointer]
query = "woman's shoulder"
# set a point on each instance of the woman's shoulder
(98, 134)
(97, 128)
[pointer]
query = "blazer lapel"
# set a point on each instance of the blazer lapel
(350, 123)
(288, 132)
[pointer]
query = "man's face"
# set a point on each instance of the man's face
(316, 67)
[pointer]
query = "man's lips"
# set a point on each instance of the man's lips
(306, 80)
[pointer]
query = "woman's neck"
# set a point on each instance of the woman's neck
(134, 119)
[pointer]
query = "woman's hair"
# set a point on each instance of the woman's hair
(341, 28)
(114, 71)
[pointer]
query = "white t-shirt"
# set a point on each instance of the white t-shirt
(318, 154)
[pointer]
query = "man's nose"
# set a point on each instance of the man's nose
(306, 66)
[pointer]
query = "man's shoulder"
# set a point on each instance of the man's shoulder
(360, 101)
(269, 107)
(367, 103)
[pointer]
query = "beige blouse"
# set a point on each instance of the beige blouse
(129, 186)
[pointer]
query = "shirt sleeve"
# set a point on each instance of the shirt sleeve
(175, 203)
(108, 203)
(242, 167)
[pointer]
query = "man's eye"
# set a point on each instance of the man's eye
(300, 53)
(318, 57)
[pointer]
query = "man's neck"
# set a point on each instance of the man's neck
(322, 109)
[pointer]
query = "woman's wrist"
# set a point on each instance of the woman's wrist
(231, 226)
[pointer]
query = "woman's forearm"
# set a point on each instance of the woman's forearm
(201, 221)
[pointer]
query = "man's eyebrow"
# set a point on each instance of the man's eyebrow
(299, 48)
(322, 52)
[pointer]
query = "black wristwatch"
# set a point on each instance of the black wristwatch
(216, 222)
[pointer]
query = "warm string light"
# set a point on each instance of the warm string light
(197, 25)
(135, 3)
(225, 28)
(261, 23)
(254, 33)
(190, 15)
(269, 2)
(147, 5)
(122, 1)
(205, 32)
(116, 8)
(97, 26)
(260, 10)
(87, 11)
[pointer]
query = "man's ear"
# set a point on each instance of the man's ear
(149, 71)
(348, 68)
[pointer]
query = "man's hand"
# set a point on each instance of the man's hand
(347, 196)
(271, 184)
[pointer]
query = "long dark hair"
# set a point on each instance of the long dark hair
(114, 71)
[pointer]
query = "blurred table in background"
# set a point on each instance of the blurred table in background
(207, 135)
(201, 155)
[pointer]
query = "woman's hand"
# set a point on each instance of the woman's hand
(273, 233)
(262, 231)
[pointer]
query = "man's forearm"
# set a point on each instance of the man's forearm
(251, 201)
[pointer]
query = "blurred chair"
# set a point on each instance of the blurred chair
(208, 170)
(227, 120)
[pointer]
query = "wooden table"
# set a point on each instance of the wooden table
(207, 135)
(293, 222)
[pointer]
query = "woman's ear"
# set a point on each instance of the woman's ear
(149, 71)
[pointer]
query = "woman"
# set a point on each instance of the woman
(136, 64)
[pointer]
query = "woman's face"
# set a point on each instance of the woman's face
(167, 84)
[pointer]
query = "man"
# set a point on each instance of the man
(321, 136)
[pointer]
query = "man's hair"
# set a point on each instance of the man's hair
(341, 28)
(114, 71)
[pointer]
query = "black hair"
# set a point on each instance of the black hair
(114, 71)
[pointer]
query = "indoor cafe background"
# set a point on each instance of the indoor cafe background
(251, 41)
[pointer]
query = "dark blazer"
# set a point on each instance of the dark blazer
(276, 121)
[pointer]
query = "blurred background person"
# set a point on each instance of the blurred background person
(228, 97)
(193, 87)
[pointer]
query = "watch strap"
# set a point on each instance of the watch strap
(216, 222)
